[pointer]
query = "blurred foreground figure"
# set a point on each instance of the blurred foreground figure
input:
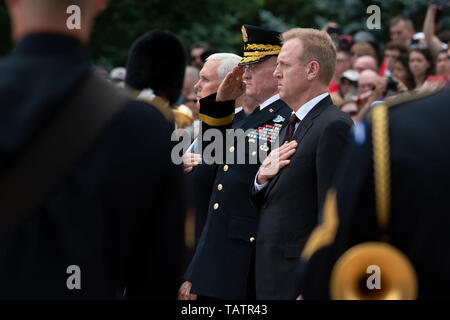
(392, 189)
(100, 214)
(157, 74)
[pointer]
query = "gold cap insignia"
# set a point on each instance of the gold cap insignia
(244, 34)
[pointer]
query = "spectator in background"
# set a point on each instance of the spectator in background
(189, 98)
(421, 64)
(363, 48)
(117, 76)
(365, 36)
(367, 83)
(197, 49)
(402, 73)
(429, 26)
(191, 77)
(401, 29)
(392, 51)
(442, 63)
(348, 84)
(368, 80)
(334, 31)
(350, 107)
(365, 63)
(343, 63)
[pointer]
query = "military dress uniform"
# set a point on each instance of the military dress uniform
(222, 264)
(118, 215)
(413, 202)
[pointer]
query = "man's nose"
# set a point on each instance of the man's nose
(246, 75)
(277, 73)
(197, 87)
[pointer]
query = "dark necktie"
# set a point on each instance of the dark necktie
(291, 127)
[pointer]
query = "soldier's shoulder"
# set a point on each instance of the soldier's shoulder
(413, 95)
(409, 104)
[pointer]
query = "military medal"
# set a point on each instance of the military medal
(278, 119)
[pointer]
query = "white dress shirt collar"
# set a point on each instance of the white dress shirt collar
(307, 107)
(269, 101)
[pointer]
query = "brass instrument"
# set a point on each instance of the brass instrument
(350, 276)
(183, 116)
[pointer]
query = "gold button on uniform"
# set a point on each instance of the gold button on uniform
(252, 239)
(216, 206)
(231, 149)
(220, 187)
(254, 153)
(225, 168)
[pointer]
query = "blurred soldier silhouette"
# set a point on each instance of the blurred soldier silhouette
(391, 189)
(86, 178)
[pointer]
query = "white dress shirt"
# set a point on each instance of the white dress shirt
(301, 114)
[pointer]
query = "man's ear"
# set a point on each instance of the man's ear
(312, 70)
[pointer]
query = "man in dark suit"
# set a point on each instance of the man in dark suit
(292, 181)
(414, 141)
(222, 266)
(115, 220)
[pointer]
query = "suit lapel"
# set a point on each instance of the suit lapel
(302, 129)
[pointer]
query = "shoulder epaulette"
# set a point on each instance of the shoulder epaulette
(412, 95)
(408, 96)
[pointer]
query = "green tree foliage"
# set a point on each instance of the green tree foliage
(219, 21)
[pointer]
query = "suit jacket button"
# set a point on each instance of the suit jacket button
(252, 239)
(216, 206)
(225, 168)
(231, 149)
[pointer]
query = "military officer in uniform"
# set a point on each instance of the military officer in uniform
(391, 192)
(114, 220)
(222, 266)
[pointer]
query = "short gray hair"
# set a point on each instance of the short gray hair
(229, 61)
(408, 22)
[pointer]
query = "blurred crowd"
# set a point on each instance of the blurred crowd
(367, 70)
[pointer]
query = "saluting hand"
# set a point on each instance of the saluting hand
(232, 87)
(277, 160)
(185, 292)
